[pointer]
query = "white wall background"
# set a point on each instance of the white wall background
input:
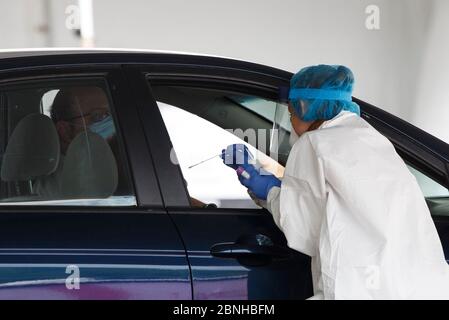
(403, 67)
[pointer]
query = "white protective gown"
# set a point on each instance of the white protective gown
(348, 200)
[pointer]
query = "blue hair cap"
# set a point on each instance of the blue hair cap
(322, 92)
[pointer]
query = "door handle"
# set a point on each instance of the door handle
(249, 251)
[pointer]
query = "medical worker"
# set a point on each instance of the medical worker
(347, 199)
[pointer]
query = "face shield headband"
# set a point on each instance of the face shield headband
(319, 94)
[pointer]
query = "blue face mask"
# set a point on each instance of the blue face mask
(105, 128)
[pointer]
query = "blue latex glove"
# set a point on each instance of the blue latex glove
(236, 155)
(260, 181)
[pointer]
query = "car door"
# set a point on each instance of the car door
(227, 247)
(85, 240)
(235, 250)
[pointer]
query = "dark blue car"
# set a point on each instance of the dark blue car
(98, 195)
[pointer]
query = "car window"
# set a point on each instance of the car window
(436, 195)
(202, 122)
(429, 187)
(60, 147)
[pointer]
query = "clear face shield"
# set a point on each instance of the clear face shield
(280, 134)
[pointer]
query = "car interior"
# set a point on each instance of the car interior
(218, 118)
(31, 154)
(222, 108)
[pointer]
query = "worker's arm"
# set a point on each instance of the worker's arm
(298, 205)
(302, 198)
(273, 204)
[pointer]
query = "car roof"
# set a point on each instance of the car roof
(22, 58)
(35, 52)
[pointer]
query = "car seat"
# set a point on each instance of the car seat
(90, 169)
(32, 152)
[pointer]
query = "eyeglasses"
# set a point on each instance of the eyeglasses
(93, 117)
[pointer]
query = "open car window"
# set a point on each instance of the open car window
(202, 122)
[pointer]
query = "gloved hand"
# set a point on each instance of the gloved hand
(235, 155)
(260, 181)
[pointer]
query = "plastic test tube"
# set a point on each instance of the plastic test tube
(242, 172)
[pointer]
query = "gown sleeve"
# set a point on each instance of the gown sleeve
(299, 206)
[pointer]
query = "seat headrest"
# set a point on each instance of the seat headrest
(32, 151)
(90, 169)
